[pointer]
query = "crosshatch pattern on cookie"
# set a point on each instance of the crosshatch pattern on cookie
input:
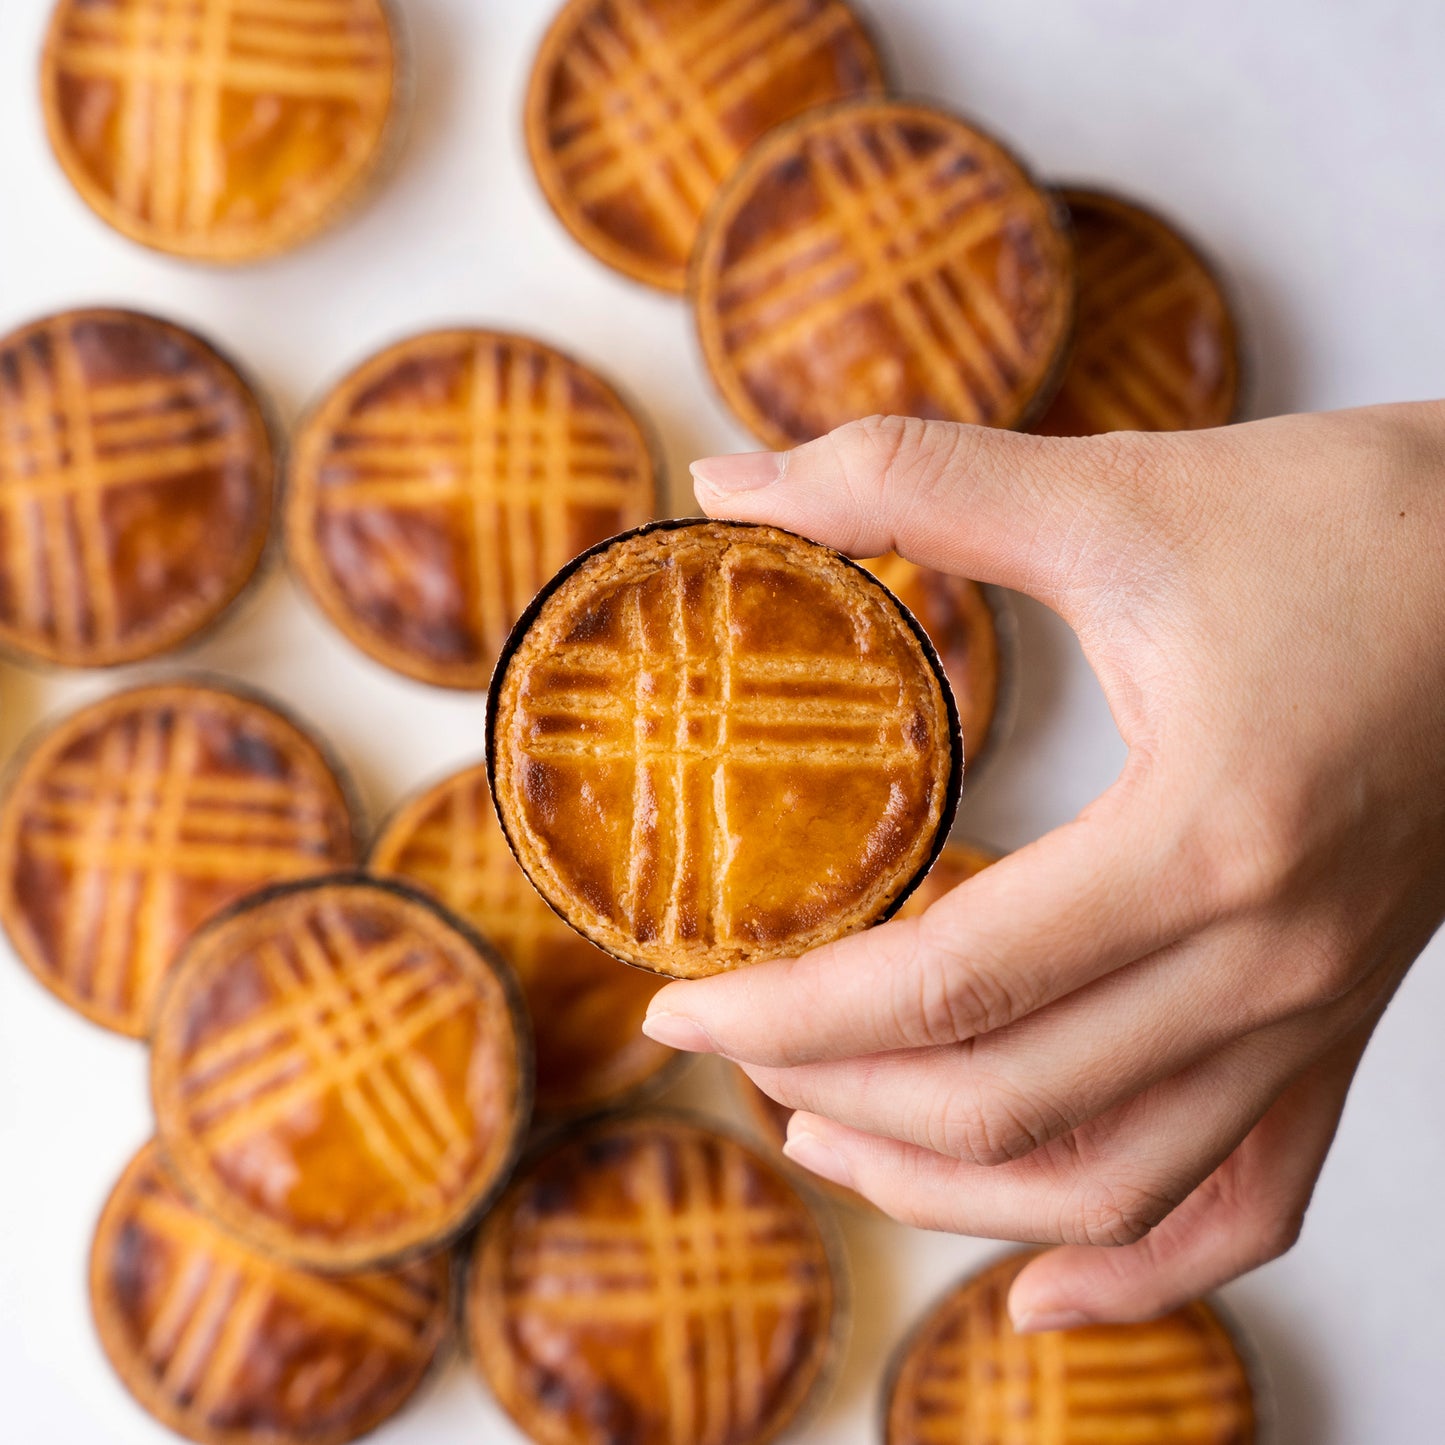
(438, 486)
(692, 713)
(223, 1343)
(638, 109)
(219, 129)
(136, 819)
(1155, 347)
(660, 1278)
(966, 1378)
(586, 1008)
(881, 257)
(135, 487)
(349, 1030)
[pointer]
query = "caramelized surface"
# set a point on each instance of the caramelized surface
(1155, 347)
(638, 110)
(134, 820)
(586, 1008)
(967, 1378)
(135, 487)
(338, 1075)
(959, 622)
(654, 1283)
(717, 744)
(230, 1347)
(881, 257)
(222, 130)
(438, 486)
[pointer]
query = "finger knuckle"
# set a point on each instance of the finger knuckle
(988, 1126)
(959, 996)
(1114, 1214)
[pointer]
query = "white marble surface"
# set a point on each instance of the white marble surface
(1299, 141)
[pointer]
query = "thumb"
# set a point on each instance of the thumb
(997, 506)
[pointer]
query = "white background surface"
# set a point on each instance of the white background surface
(1300, 142)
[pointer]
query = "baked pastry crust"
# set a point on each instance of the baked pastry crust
(129, 823)
(136, 475)
(1155, 348)
(637, 110)
(441, 483)
(586, 1011)
(654, 1281)
(713, 743)
(880, 256)
(227, 1346)
(219, 130)
(341, 1073)
(965, 1376)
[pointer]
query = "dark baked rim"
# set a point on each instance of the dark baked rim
(159, 1405)
(533, 116)
(268, 424)
(643, 1090)
(42, 731)
(466, 1218)
(1070, 192)
(1248, 1358)
(289, 528)
(356, 191)
(1058, 212)
(673, 524)
(814, 1203)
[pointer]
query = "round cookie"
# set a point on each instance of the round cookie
(227, 1346)
(441, 483)
(639, 109)
(219, 130)
(654, 1281)
(712, 743)
(136, 475)
(966, 1377)
(130, 822)
(880, 256)
(586, 1009)
(1155, 347)
(341, 1074)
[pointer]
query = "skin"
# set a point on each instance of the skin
(1134, 1037)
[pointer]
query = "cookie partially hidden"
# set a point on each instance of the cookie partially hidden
(228, 1346)
(654, 1281)
(341, 1074)
(713, 743)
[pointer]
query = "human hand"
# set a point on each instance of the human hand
(1138, 1031)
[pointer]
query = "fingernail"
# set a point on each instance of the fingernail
(678, 1031)
(745, 472)
(1036, 1322)
(819, 1158)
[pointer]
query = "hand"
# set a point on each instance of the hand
(1139, 1030)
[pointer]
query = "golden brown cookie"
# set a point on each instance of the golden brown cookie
(218, 130)
(586, 1008)
(964, 1376)
(442, 482)
(227, 1346)
(714, 743)
(1155, 348)
(132, 821)
(956, 615)
(879, 256)
(341, 1075)
(639, 109)
(654, 1282)
(135, 487)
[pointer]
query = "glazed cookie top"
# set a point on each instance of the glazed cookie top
(638, 109)
(219, 130)
(136, 476)
(714, 743)
(878, 256)
(340, 1075)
